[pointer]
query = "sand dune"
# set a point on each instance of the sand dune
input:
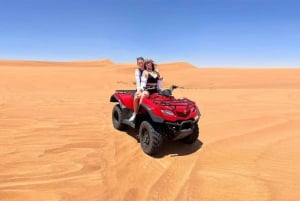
(57, 141)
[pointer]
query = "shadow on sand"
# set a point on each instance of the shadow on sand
(172, 148)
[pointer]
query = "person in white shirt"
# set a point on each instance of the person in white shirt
(138, 76)
(138, 72)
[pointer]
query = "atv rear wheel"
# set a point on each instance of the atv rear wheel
(192, 137)
(150, 139)
(117, 118)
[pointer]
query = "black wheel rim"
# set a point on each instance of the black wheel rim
(145, 137)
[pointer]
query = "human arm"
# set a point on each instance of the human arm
(159, 83)
(144, 80)
(137, 79)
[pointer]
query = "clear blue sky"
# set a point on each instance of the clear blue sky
(234, 33)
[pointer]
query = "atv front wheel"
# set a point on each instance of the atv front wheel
(150, 139)
(117, 118)
(192, 137)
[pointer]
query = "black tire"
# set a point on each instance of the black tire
(117, 118)
(150, 139)
(192, 137)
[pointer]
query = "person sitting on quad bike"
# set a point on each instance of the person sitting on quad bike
(138, 76)
(151, 82)
(138, 73)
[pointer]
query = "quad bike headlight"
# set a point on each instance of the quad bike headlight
(168, 112)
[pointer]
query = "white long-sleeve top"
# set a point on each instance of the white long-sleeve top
(137, 75)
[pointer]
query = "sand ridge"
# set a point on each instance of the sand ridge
(57, 141)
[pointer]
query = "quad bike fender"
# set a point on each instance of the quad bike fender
(114, 98)
(154, 118)
(125, 101)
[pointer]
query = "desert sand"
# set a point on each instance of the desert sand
(57, 142)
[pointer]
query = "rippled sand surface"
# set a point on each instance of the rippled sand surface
(57, 142)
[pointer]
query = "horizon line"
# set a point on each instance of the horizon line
(161, 63)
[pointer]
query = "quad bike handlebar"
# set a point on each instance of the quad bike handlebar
(173, 87)
(168, 92)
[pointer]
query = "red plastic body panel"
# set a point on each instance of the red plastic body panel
(182, 109)
(125, 99)
(166, 107)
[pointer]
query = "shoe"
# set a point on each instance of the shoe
(132, 117)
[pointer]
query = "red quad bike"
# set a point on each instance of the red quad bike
(160, 115)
